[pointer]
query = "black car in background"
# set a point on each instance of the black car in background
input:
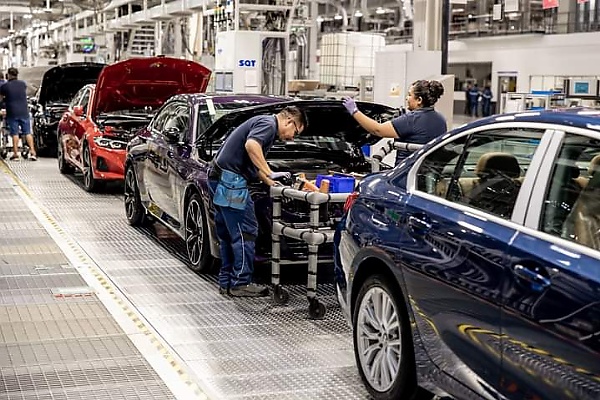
(59, 85)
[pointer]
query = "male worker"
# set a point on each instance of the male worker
(14, 94)
(242, 159)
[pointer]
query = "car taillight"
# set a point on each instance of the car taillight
(350, 201)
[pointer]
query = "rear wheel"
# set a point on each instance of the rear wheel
(382, 342)
(134, 210)
(196, 236)
(63, 166)
(89, 183)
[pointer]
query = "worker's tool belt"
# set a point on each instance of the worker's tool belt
(232, 189)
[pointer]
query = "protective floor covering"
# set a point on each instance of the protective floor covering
(57, 340)
(233, 348)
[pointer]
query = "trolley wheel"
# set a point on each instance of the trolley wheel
(25, 152)
(4, 154)
(316, 309)
(280, 295)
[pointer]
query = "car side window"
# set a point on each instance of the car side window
(159, 120)
(179, 119)
(437, 169)
(572, 203)
(85, 98)
(76, 98)
(484, 170)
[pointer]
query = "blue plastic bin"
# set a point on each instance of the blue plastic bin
(366, 149)
(337, 184)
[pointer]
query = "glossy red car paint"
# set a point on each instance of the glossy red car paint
(101, 118)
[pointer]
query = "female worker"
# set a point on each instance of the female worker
(419, 126)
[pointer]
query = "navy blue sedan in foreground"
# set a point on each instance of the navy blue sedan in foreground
(473, 268)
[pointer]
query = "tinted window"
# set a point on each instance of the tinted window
(76, 98)
(484, 170)
(178, 118)
(84, 100)
(159, 120)
(572, 203)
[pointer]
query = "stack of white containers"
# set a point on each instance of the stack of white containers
(346, 56)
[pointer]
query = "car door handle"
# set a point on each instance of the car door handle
(538, 281)
(419, 225)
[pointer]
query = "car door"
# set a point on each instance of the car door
(459, 218)
(175, 157)
(154, 166)
(79, 126)
(67, 127)
(551, 319)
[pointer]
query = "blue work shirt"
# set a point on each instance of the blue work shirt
(233, 155)
(418, 126)
(15, 98)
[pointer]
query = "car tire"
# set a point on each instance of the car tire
(89, 183)
(134, 209)
(394, 373)
(63, 166)
(196, 236)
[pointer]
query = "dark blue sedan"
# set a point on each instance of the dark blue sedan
(473, 268)
(167, 163)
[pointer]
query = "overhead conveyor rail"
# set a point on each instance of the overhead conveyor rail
(316, 234)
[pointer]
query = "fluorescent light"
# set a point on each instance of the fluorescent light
(338, 17)
(457, 10)
(320, 19)
(380, 10)
(358, 13)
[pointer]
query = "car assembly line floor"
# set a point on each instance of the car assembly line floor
(91, 307)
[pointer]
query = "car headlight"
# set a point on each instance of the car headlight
(110, 143)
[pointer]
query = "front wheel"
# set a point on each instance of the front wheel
(90, 184)
(196, 236)
(382, 342)
(134, 210)
(63, 166)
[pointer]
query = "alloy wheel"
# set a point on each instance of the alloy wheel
(130, 194)
(87, 168)
(60, 155)
(194, 226)
(379, 339)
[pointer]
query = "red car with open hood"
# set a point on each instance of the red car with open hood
(102, 117)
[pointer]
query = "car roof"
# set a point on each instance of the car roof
(579, 117)
(200, 98)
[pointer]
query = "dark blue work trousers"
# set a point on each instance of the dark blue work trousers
(237, 231)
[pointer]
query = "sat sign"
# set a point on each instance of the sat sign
(247, 63)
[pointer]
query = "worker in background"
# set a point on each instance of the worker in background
(486, 101)
(474, 100)
(14, 94)
(241, 159)
(420, 125)
(467, 99)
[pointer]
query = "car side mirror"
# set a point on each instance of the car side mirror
(172, 135)
(78, 111)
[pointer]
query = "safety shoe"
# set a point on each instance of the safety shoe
(224, 291)
(250, 290)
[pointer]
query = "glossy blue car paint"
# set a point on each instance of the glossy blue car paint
(497, 310)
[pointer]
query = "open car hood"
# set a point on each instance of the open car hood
(325, 118)
(147, 82)
(60, 83)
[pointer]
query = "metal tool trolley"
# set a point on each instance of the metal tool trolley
(315, 234)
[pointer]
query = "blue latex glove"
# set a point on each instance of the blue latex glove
(350, 105)
(280, 175)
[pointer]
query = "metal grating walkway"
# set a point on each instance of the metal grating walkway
(231, 348)
(57, 340)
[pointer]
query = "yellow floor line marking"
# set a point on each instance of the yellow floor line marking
(89, 263)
